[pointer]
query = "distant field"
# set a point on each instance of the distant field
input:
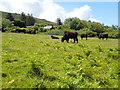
(37, 61)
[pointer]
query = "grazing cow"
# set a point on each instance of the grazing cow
(32, 32)
(20, 30)
(102, 36)
(70, 35)
(53, 37)
(84, 35)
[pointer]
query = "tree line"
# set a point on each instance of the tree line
(88, 27)
(24, 20)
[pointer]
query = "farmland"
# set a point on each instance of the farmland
(37, 61)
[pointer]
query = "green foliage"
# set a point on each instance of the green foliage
(91, 33)
(97, 27)
(59, 21)
(23, 17)
(13, 28)
(6, 23)
(10, 17)
(41, 29)
(19, 23)
(113, 34)
(62, 27)
(55, 32)
(30, 20)
(48, 63)
(74, 23)
(85, 29)
(44, 22)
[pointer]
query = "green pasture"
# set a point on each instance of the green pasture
(37, 61)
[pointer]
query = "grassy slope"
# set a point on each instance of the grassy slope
(31, 61)
(40, 21)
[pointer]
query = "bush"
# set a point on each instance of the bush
(113, 34)
(6, 23)
(91, 33)
(62, 27)
(37, 26)
(41, 29)
(11, 29)
(55, 32)
(19, 23)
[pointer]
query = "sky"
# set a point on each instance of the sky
(104, 11)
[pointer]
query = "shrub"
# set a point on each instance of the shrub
(113, 34)
(91, 33)
(6, 23)
(10, 29)
(55, 32)
(63, 27)
(19, 23)
(40, 29)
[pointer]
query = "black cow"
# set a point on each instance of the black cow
(53, 37)
(70, 35)
(20, 30)
(32, 32)
(84, 35)
(102, 36)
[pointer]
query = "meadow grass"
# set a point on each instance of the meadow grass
(37, 61)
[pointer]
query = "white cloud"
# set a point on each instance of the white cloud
(45, 9)
(83, 12)
(86, 0)
(95, 20)
(18, 6)
(51, 11)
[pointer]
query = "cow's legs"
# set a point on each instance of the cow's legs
(67, 41)
(77, 40)
(74, 40)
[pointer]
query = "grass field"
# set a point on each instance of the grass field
(37, 61)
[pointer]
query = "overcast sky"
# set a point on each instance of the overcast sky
(103, 12)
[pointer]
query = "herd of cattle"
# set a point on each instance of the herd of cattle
(21, 31)
(24, 31)
(67, 35)
(73, 35)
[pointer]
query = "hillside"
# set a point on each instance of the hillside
(37, 20)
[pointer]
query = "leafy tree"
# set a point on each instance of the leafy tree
(30, 20)
(97, 27)
(10, 17)
(59, 21)
(6, 23)
(114, 27)
(23, 17)
(74, 23)
(19, 23)
(61, 27)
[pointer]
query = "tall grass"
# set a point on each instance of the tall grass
(37, 61)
